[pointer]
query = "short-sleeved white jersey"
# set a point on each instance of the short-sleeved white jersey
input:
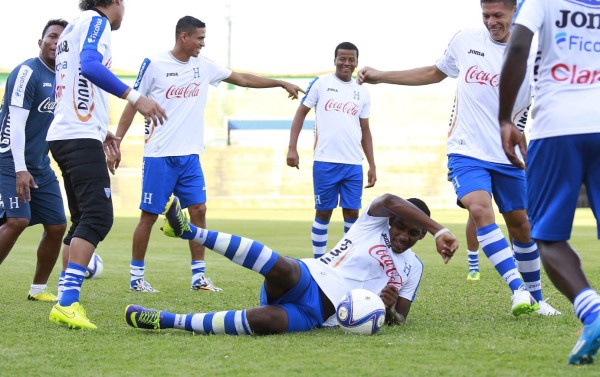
(475, 60)
(338, 107)
(181, 88)
(81, 107)
(567, 89)
(364, 259)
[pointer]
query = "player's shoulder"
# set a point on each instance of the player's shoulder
(470, 34)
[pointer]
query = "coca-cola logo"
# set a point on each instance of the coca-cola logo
(380, 253)
(47, 106)
(349, 108)
(478, 76)
(191, 90)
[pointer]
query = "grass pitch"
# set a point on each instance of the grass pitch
(455, 328)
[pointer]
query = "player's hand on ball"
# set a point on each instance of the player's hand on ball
(389, 296)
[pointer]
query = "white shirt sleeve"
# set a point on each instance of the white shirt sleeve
(531, 14)
(18, 119)
(448, 63)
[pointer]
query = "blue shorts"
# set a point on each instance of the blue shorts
(46, 205)
(331, 181)
(163, 176)
(556, 168)
(506, 183)
(302, 303)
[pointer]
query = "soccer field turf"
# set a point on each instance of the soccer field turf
(455, 327)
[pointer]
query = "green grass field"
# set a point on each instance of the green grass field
(455, 328)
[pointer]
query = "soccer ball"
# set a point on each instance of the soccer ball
(94, 268)
(361, 312)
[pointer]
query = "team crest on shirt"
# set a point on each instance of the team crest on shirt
(107, 192)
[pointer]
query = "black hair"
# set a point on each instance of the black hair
(58, 21)
(89, 4)
(345, 46)
(188, 24)
(508, 3)
(421, 205)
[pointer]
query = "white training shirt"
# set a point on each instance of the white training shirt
(364, 259)
(82, 107)
(338, 107)
(475, 60)
(181, 88)
(568, 76)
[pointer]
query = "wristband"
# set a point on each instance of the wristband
(440, 232)
(133, 96)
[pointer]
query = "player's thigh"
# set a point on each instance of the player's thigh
(592, 175)
(468, 175)
(554, 177)
(509, 188)
(326, 181)
(191, 186)
(351, 187)
(159, 177)
(46, 201)
(10, 205)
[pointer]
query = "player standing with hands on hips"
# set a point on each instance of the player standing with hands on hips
(564, 147)
(342, 109)
(79, 136)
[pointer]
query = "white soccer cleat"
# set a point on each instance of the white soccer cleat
(523, 303)
(141, 285)
(546, 309)
(205, 284)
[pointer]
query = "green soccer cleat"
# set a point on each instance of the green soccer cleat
(473, 275)
(73, 316)
(523, 303)
(142, 318)
(176, 221)
(42, 296)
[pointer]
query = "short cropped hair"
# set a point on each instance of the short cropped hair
(421, 205)
(58, 21)
(89, 4)
(345, 46)
(188, 24)
(508, 3)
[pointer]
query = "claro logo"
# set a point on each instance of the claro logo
(572, 74)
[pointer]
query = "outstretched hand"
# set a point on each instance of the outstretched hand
(368, 75)
(511, 137)
(293, 90)
(446, 245)
(151, 110)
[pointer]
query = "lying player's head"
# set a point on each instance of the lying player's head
(405, 233)
(190, 33)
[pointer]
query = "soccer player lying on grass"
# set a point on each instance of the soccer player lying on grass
(302, 294)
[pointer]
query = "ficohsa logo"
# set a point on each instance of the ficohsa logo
(94, 35)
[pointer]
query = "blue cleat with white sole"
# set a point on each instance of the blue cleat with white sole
(587, 345)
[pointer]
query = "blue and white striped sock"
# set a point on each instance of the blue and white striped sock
(136, 271)
(73, 281)
(347, 224)
(232, 322)
(198, 268)
(527, 257)
(319, 237)
(61, 286)
(498, 251)
(587, 305)
(473, 259)
(243, 251)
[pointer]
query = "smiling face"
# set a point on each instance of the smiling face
(194, 41)
(48, 44)
(404, 234)
(497, 18)
(346, 62)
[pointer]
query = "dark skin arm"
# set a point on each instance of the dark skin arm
(396, 307)
(511, 78)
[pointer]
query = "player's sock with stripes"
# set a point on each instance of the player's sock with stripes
(473, 259)
(61, 285)
(587, 305)
(347, 224)
(34, 289)
(319, 236)
(198, 267)
(243, 251)
(498, 251)
(72, 285)
(528, 264)
(232, 322)
(136, 271)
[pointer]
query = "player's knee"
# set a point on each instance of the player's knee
(267, 320)
(197, 213)
(55, 230)
(17, 224)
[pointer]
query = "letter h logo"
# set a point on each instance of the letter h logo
(196, 72)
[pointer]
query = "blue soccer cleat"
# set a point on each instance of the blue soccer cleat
(587, 345)
(142, 318)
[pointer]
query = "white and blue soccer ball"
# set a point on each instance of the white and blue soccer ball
(361, 312)
(94, 268)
